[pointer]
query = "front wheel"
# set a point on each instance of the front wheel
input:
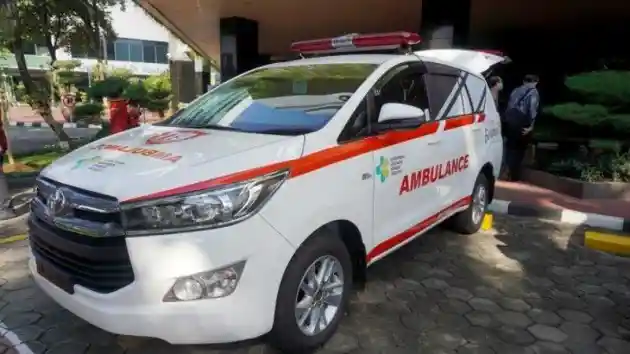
(313, 294)
(469, 221)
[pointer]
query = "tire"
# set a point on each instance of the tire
(286, 335)
(465, 222)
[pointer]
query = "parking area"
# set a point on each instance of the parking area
(524, 287)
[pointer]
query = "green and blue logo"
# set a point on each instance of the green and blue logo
(86, 161)
(382, 169)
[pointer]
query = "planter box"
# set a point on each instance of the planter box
(578, 189)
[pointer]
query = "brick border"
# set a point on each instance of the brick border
(44, 125)
(567, 216)
(65, 125)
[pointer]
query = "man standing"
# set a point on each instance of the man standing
(520, 117)
(5, 195)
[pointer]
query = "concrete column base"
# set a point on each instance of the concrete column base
(183, 82)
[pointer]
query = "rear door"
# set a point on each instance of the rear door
(459, 134)
(478, 62)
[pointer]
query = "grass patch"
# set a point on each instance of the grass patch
(41, 160)
(35, 161)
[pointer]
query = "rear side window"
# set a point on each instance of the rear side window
(477, 89)
(448, 96)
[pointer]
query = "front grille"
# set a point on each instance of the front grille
(84, 246)
(99, 264)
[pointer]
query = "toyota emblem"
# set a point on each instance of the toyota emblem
(57, 203)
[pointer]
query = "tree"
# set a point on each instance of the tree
(82, 23)
(159, 93)
(602, 104)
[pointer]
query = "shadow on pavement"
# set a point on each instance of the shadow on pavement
(523, 287)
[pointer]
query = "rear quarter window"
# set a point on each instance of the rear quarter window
(477, 88)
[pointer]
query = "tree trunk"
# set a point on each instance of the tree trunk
(39, 102)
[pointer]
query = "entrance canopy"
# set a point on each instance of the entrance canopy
(281, 22)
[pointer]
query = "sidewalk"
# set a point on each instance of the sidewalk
(25, 116)
(528, 200)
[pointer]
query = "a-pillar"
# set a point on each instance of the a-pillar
(444, 27)
(182, 70)
(239, 46)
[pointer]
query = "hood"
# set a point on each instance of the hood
(474, 61)
(152, 158)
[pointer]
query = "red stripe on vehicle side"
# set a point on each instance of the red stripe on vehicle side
(414, 230)
(458, 122)
(308, 163)
(481, 117)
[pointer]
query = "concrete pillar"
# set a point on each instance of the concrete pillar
(439, 37)
(182, 70)
(239, 46)
(442, 27)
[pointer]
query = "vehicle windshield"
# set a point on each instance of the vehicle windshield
(290, 100)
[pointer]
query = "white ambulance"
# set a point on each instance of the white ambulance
(254, 210)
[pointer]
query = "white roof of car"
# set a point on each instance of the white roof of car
(468, 60)
(376, 59)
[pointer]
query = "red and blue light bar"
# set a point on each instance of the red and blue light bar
(357, 42)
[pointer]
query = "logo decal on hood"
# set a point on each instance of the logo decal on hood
(156, 154)
(174, 136)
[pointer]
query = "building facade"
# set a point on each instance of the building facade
(244, 29)
(142, 47)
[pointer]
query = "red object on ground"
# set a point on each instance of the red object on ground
(537, 196)
(134, 120)
(118, 116)
(351, 42)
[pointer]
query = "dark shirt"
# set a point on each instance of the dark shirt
(525, 98)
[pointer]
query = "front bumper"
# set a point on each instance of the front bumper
(138, 309)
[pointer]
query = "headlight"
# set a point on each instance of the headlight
(216, 207)
(206, 285)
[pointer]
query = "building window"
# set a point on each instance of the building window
(122, 50)
(149, 52)
(133, 50)
(111, 51)
(160, 53)
(29, 48)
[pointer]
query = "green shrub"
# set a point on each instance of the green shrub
(135, 91)
(89, 112)
(601, 107)
(159, 93)
(111, 87)
(607, 167)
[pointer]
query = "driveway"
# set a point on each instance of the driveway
(525, 287)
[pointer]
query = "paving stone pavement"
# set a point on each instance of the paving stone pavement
(525, 287)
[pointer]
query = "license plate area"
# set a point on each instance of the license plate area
(54, 275)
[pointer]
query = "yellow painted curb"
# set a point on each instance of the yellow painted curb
(607, 242)
(14, 238)
(486, 223)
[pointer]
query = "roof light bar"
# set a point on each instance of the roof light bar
(357, 42)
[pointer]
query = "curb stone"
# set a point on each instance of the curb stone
(566, 216)
(14, 226)
(65, 125)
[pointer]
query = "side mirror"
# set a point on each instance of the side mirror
(400, 116)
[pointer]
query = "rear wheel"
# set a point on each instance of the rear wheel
(313, 295)
(469, 221)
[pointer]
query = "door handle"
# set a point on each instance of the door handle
(434, 142)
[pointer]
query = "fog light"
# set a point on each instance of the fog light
(187, 289)
(206, 285)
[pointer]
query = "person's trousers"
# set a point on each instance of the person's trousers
(514, 157)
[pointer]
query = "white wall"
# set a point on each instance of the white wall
(134, 23)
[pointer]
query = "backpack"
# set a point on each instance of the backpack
(516, 119)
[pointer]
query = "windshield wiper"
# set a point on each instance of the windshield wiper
(286, 131)
(217, 127)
